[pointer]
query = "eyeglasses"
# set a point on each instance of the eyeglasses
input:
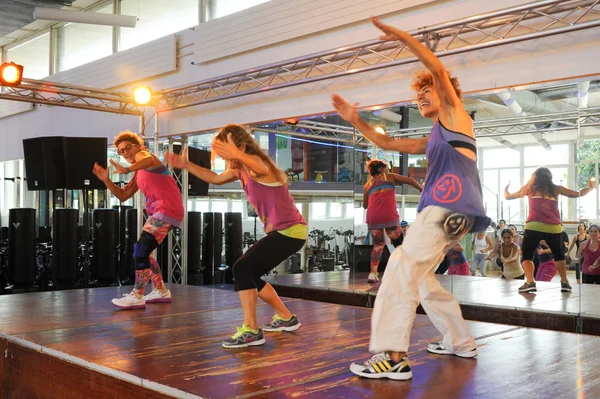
(125, 149)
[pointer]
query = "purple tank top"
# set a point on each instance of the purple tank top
(452, 181)
(274, 204)
(543, 210)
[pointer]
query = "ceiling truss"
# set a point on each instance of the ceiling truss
(531, 21)
(70, 96)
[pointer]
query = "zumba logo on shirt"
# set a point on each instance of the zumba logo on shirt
(447, 189)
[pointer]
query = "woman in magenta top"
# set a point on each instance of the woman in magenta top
(164, 207)
(379, 199)
(266, 188)
(543, 223)
(590, 251)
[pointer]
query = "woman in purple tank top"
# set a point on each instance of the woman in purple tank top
(266, 188)
(164, 208)
(451, 205)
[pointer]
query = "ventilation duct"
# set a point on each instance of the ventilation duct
(504, 142)
(583, 94)
(388, 115)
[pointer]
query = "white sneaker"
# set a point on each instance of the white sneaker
(439, 349)
(129, 301)
(157, 297)
(373, 278)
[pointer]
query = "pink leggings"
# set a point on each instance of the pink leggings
(379, 242)
(546, 271)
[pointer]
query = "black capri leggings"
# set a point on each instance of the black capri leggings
(263, 257)
(531, 240)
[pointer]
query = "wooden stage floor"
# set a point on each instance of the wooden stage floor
(481, 298)
(74, 344)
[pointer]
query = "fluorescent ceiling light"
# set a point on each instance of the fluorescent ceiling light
(84, 17)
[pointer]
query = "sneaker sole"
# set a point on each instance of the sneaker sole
(391, 376)
(130, 307)
(528, 290)
(245, 345)
(464, 355)
(290, 328)
(161, 300)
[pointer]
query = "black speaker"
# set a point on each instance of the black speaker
(104, 239)
(65, 245)
(196, 186)
(233, 242)
(129, 239)
(212, 245)
(21, 246)
(362, 258)
(80, 155)
(194, 243)
(121, 220)
(44, 163)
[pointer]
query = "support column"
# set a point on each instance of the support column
(305, 214)
(184, 227)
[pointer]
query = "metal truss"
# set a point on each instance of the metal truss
(312, 130)
(531, 21)
(71, 96)
(531, 124)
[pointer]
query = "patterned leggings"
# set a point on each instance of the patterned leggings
(379, 242)
(159, 230)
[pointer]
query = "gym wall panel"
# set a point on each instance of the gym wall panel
(281, 20)
(141, 62)
(8, 108)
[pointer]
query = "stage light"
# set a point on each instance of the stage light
(11, 74)
(142, 95)
(380, 130)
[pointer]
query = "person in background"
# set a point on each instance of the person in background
(480, 246)
(509, 254)
(547, 268)
(458, 264)
(590, 253)
(580, 237)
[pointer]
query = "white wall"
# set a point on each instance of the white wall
(561, 57)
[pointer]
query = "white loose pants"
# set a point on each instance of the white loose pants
(409, 279)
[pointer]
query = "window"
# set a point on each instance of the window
(335, 210)
(156, 18)
(318, 210)
(221, 8)
(349, 210)
(538, 155)
(511, 209)
(34, 55)
(237, 206)
(219, 206)
(500, 158)
(79, 44)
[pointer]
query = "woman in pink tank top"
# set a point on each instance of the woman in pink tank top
(164, 208)
(590, 251)
(266, 188)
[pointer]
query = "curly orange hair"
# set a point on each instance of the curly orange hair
(130, 137)
(424, 78)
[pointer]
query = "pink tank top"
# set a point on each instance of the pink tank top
(382, 211)
(543, 210)
(589, 257)
(163, 197)
(273, 203)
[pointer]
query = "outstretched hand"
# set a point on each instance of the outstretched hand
(226, 150)
(118, 168)
(344, 109)
(178, 161)
(390, 33)
(100, 172)
(591, 182)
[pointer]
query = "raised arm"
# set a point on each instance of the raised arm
(519, 194)
(181, 162)
(399, 179)
(441, 79)
(349, 113)
(123, 194)
(574, 194)
(230, 152)
(365, 194)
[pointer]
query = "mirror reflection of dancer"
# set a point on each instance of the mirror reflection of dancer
(379, 199)
(164, 207)
(451, 205)
(287, 231)
(543, 223)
